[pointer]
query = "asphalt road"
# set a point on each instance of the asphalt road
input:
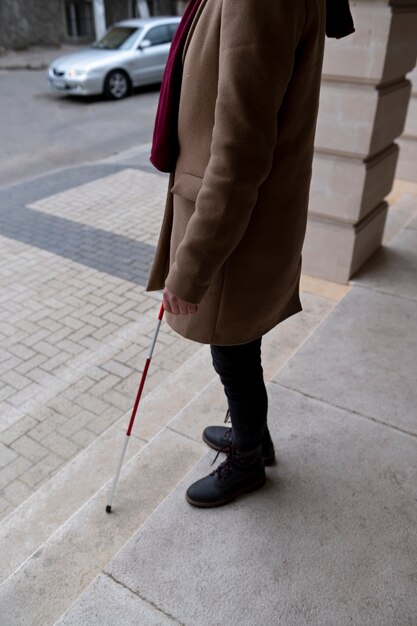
(41, 131)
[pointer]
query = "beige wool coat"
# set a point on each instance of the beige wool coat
(236, 210)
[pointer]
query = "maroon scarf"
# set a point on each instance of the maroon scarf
(165, 146)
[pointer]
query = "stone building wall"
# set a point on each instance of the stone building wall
(26, 23)
(166, 7)
(363, 108)
(116, 11)
(407, 164)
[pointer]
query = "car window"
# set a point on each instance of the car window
(118, 38)
(172, 29)
(158, 35)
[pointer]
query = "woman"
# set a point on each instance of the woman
(235, 127)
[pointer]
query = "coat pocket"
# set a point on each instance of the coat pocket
(187, 186)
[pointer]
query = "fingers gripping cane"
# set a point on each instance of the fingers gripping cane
(135, 408)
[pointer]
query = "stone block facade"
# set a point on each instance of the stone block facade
(348, 189)
(363, 108)
(407, 165)
(25, 23)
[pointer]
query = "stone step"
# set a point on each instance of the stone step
(55, 501)
(58, 569)
(55, 575)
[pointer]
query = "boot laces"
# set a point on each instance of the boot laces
(224, 469)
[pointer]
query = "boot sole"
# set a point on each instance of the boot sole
(210, 505)
(268, 460)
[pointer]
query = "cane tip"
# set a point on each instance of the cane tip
(108, 508)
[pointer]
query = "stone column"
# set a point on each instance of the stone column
(99, 18)
(143, 8)
(363, 106)
(407, 164)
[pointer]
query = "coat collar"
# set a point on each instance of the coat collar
(192, 28)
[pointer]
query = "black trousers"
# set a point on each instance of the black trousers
(241, 373)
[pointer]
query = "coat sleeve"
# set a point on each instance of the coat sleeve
(258, 40)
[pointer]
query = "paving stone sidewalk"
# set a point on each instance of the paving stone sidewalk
(75, 320)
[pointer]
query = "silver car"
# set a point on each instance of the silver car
(131, 53)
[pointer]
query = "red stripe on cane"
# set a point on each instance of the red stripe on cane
(135, 408)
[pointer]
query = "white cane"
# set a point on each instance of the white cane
(134, 411)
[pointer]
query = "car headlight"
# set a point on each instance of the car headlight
(74, 73)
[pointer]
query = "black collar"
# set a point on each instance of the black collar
(339, 22)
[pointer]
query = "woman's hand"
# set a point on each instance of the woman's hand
(175, 305)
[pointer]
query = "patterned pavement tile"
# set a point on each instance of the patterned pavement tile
(75, 320)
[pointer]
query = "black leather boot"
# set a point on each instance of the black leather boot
(239, 473)
(217, 437)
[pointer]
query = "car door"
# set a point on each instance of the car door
(152, 59)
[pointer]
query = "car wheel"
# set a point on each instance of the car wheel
(117, 85)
